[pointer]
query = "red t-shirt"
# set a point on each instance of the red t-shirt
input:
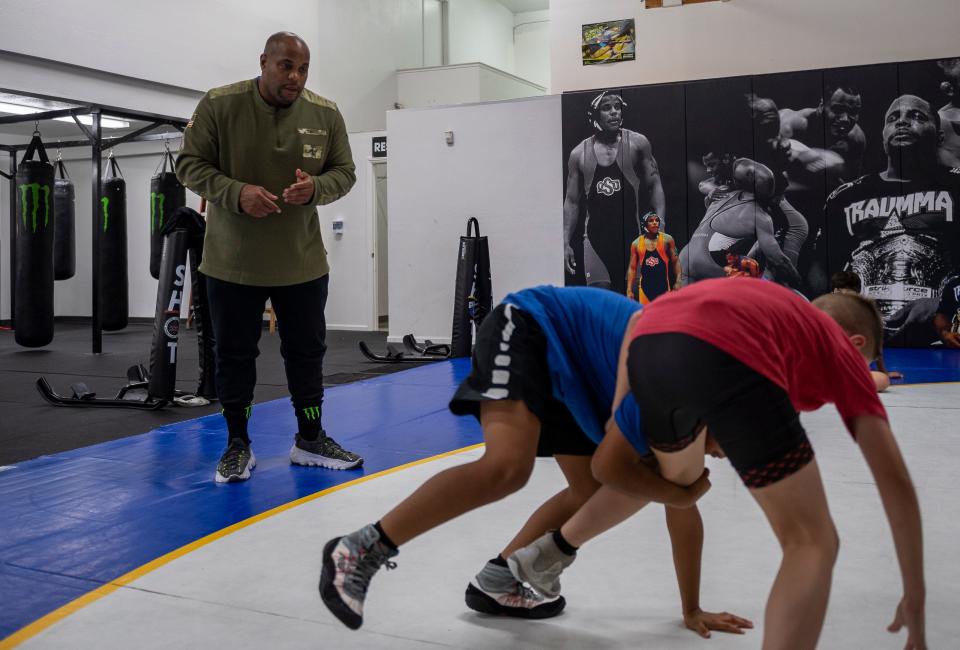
(775, 332)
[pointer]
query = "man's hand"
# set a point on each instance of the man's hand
(300, 192)
(702, 622)
(910, 614)
(257, 201)
(693, 492)
(570, 259)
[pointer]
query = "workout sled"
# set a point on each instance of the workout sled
(411, 352)
(82, 397)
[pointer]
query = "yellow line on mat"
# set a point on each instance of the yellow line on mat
(41, 624)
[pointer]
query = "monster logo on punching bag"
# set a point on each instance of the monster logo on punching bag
(33, 301)
(112, 231)
(167, 194)
(64, 232)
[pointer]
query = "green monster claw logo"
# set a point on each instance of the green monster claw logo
(312, 413)
(106, 211)
(246, 412)
(155, 209)
(34, 189)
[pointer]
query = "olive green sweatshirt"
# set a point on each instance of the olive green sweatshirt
(236, 138)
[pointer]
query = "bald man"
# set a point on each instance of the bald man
(899, 230)
(264, 152)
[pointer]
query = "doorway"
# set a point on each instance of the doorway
(382, 318)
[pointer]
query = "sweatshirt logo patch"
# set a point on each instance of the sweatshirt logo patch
(192, 118)
(304, 131)
(312, 151)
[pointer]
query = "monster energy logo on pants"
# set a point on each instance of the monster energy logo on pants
(106, 211)
(35, 190)
(312, 413)
(156, 208)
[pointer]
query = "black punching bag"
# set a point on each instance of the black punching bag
(64, 234)
(33, 301)
(167, 194)
(473, 290)
(112, 230)
(166, 323)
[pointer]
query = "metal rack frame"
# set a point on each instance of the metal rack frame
(93, 137)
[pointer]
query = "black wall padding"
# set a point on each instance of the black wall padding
(33, 302)
(167, 194)
(112, 230)
(473, 291)
(64, 234)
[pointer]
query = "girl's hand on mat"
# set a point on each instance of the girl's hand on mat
(702, 622)
(910, 614)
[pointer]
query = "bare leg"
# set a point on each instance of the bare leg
(561, 506)
(796, 508)
(510, 432)
(605, 509)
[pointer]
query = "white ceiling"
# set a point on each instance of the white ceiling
(521, 6)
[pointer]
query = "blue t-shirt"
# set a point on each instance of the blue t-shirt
(584, 328)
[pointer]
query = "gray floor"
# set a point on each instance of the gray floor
(256, 587)
(29, 427)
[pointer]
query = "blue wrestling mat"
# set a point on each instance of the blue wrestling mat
(72, 522)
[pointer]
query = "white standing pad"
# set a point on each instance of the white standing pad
(257, 587)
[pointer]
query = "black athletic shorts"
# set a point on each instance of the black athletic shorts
(510, 362)
(682, 383)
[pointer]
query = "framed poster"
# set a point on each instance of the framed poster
(608, 42)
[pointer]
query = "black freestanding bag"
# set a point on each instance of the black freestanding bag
(167, 195)
(33, 300)
(182, 240)
(473, 291)
(112, 230)
(64, 232)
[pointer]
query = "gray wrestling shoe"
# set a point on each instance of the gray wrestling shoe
(349, 563)
(495, 591)
(540, 565)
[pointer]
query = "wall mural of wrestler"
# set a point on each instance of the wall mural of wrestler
(614, 175)
(790, 177)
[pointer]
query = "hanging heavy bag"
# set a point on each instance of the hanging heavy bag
(112, 231)
(33, 300)
(167, 194)
(472, 292)
(64, 232)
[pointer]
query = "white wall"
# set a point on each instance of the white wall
(481, 30)
(356, 48)
(720, 39)
(460, 84)
(531, 47)
(504, 169)
(350, 304)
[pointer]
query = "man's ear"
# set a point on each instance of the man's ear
(859, 341)
(263, 61)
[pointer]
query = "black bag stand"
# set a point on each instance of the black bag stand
(471, 303)
(183, 235)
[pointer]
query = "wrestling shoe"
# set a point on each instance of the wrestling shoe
(540, 565)
(323, 452)
(495, 591)
(349, 563)
(235, 463)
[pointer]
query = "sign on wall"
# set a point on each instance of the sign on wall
(379, 146)
(608, 42)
